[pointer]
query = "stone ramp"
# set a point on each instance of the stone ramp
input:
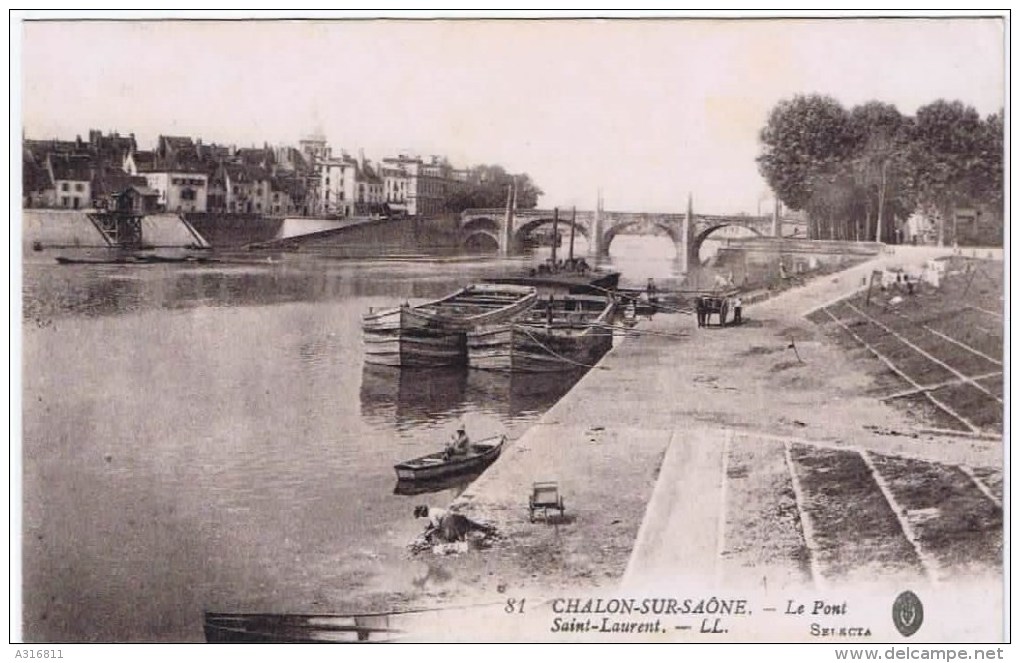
(682, 533)
(296, 227)
(170, 230)
(234, 230)
(74, 228)
(60, 228)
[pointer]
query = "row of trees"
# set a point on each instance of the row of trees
(488, 188)
(858, 172)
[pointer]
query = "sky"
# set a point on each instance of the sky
(647, 110)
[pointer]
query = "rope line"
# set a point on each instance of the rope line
(554, 353)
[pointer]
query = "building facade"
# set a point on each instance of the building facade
(180, 190)
(337, 186)
(72, 177)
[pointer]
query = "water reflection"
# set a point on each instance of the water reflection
(52, 291)
(518, 394)
(405, 397)
(409, 396)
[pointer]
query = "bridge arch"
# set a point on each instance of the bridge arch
(480, 238)
(700, 238)
(529, 227)
(480, 230)
(481, 223)
(616, 229)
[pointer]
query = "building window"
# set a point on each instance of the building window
(65, 201)
(64, 187)
(187, 194)
(78, 186)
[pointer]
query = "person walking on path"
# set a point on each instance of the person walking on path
(699, 308)
(737, 305)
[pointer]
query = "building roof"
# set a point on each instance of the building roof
(109, 181)
(365, 173)
(143, 190)
(176, 142)
(292, 186)
(144, 160)
(256, 156)
(212, 152)
(34, 176)
(240, 172)
(73, 167)
(40, 148)
(111, 145)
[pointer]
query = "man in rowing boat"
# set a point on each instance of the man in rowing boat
(460, 445)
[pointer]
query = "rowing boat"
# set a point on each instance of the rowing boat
(439, 464)
(434, 333)
(560, 333)
(221, 627)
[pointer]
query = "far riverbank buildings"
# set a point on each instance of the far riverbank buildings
(192, 177)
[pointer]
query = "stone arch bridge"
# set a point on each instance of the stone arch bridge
(509, 229)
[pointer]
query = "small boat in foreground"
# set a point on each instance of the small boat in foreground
(456, 482)
(135, 260)
(561, 333)
(221, 627)
(439, 464)
(433, 333)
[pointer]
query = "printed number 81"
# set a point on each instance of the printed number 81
(513, 605)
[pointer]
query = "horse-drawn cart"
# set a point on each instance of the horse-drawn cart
(718, 305)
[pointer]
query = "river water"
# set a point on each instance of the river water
(207, 437)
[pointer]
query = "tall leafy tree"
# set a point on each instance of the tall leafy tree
(487, 186)
(882, 136)
(805, 143)
(856, 172)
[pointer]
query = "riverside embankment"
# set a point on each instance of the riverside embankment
(719, 457)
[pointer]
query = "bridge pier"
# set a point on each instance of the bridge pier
(506, 232)
(687, 251)
(596, 240)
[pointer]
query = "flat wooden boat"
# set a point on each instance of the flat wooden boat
(434, 333)
(221, 627)
(436, 465)
(135, 260)
(577, 283)
(560, 333)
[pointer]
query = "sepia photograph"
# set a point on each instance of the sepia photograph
(551, 328)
